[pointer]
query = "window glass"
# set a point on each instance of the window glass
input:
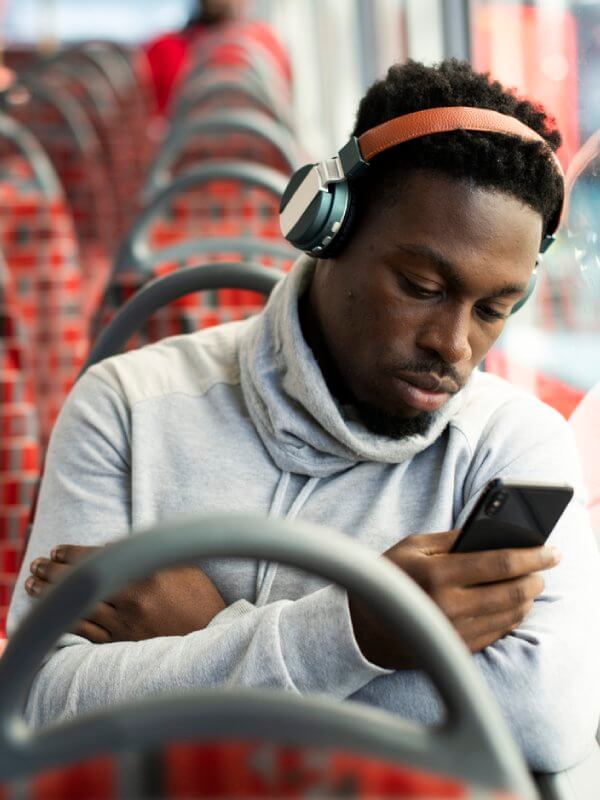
(29, 21)
(550, 51)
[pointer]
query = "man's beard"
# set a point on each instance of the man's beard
(393, 426)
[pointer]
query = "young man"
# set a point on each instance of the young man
(352, 401)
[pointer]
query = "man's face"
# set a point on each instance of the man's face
(418, 297)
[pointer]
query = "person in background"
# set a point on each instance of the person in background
(169, 54)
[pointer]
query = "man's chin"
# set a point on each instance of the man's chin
(394, 426)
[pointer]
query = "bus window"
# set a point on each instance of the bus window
(552, 52)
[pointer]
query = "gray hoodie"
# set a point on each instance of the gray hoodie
(239, 418)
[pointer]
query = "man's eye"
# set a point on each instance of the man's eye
(418, 291)
(490, 314)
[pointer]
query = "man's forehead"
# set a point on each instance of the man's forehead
(456, 207)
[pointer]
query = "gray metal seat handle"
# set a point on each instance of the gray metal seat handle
(221, 75)
(135, 248)
(473, 726)
(196, 248)
(259, 59)
(33, 152)
(256, 123)
(163, 290)
(203, 90)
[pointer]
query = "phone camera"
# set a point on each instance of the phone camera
(495, 504)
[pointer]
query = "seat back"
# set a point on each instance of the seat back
(242, 135)
(474, 724)
(38, 242)
(223, 89)
(136, 315)
(217, 199)
(61, 125)
(20, 457)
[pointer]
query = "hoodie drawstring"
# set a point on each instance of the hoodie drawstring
(268, 569)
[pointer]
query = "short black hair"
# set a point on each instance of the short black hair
(512, 165)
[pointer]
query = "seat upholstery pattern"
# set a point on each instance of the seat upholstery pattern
(191, 312)
(220, 208)
(245, 770)
(62, 127)
(19, 444)
(38, 242)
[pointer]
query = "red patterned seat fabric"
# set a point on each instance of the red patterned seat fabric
(38, 243)
(19, 444)
(71, 143)
(192, 312)
(247, 770)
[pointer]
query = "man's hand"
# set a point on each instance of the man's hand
(485, 595)
(171, 602)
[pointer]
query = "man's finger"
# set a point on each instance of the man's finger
(492, 626)
(433, 543)
(495, 598)
(492, 566)
(91, 631)
(71, 553)
(104, 616)
(47, 570)
(35, 587)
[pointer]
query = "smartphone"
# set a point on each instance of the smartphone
(512, 514)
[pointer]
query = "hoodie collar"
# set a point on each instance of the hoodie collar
(301, 424)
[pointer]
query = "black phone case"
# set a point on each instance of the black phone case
(525, 517)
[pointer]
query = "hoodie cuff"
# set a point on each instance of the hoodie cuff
(232, 612)
(319, 648)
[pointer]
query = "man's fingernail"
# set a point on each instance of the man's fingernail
(57, 554)
(31, 586)
(34, 565)
(556, 554)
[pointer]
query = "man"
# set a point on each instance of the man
(352, 401)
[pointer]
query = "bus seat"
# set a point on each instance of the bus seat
(255, 741)
(39, 246)
(137, 313)
(241, 134)
(221, 89)
(19, 445)
(61, 125)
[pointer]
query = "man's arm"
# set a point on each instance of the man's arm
(543, 674)
(303, 646)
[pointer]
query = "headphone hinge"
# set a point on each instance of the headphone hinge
(351, 158)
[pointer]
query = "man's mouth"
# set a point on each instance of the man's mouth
(424, 392)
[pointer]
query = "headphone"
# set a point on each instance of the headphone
(317, 206)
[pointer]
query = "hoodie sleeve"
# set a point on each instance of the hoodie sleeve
(544, 675)
(301, 646)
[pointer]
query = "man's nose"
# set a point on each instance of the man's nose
(447, 332)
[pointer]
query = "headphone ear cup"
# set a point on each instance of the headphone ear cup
(528, 293)
(345, 232)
